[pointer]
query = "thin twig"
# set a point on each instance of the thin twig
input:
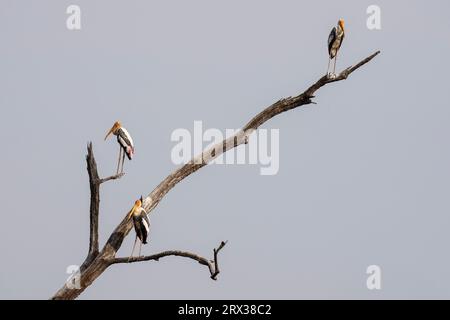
(114, 177)
(216, 261)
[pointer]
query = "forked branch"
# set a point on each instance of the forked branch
(97, 262)
(94, 184)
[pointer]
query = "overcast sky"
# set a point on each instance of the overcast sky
(364, 175)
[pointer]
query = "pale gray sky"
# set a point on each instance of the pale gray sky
(364, 175)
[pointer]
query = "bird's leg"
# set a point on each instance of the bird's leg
(328, 68)
(140, 247)
(135, 239)
(335, 61)
(118, 163)
(123, 160)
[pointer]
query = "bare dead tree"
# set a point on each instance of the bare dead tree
(97, 261)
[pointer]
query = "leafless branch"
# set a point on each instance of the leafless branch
(101, 261)
(114, 177)
(95, 204)
(94, 184)
(216, 261)
(212, 265)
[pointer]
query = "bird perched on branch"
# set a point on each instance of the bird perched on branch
(141, 224)
(125, 141)
(334, 43)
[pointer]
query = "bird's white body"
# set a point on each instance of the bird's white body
(125, 140)
(147, 227)
(127, 134)
(141, 215)
(337, 41)
(141, 224)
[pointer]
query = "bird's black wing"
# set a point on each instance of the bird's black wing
(137, 227)
(125, 142)
(121, 135)
(331, 39)
(144, 225)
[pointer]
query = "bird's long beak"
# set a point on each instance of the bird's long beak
(110, 131)
(132, 211)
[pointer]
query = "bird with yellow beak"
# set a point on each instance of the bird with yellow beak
(334, 44)
(126, 145)
(141, 224)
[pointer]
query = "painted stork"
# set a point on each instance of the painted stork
(125, 141)
(334, 43)
(141, 224)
